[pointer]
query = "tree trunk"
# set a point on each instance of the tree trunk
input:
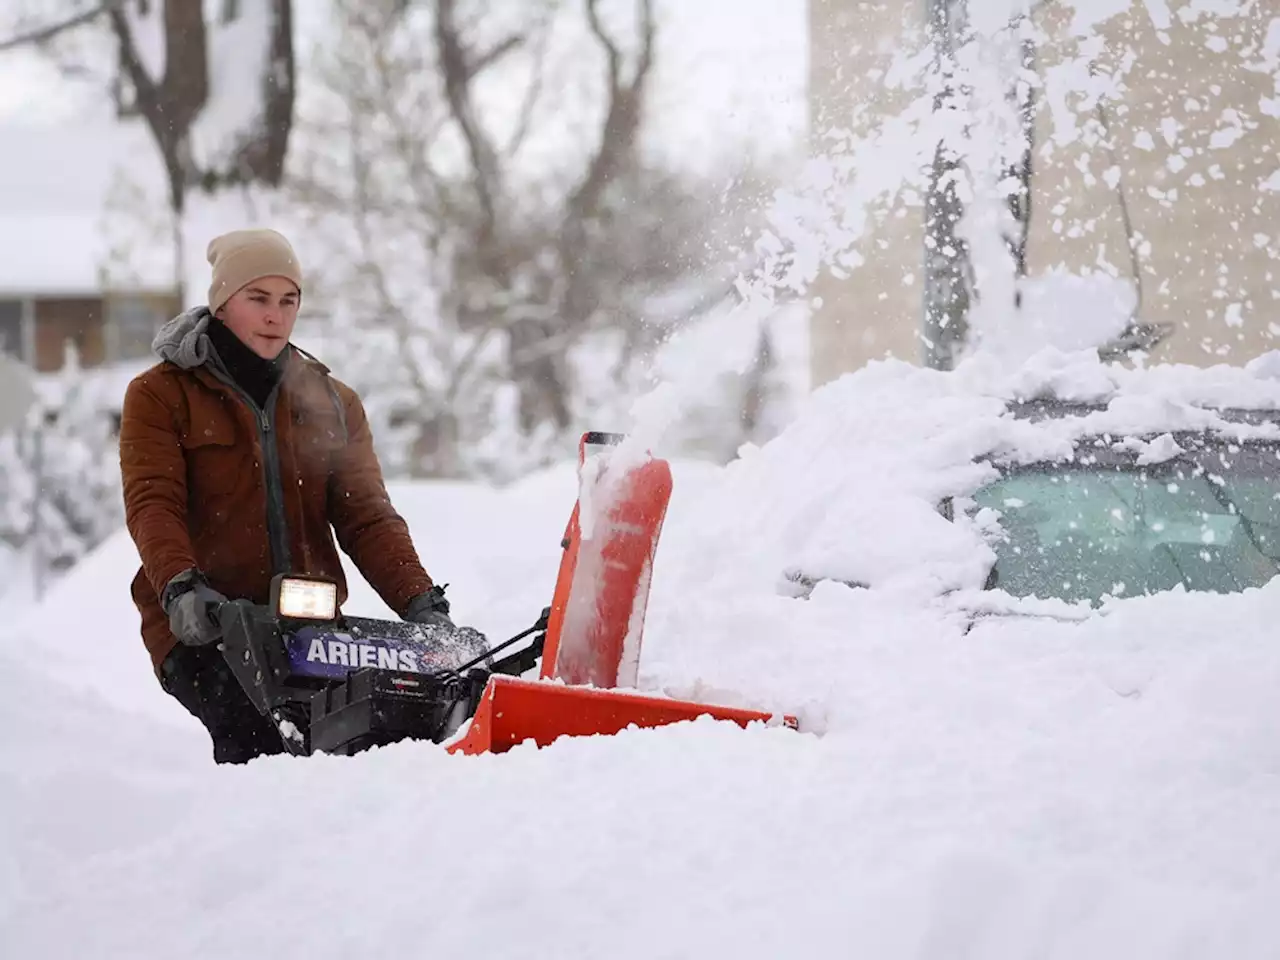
(946, 255)
(755, 394)
(171, 104)
(1024, 100)
(261, 159)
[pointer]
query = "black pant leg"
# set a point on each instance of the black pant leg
(201, 681)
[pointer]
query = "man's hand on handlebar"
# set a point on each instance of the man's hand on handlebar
(430, 609)
(192, 606)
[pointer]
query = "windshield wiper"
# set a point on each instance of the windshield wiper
(1198, 471)
(1220, 494)
(1173, 558)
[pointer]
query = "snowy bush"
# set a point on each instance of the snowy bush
(60, 473)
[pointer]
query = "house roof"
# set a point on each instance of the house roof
(81, 209)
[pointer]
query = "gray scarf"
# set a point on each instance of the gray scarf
(183, 340)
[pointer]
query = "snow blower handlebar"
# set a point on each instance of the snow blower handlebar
(520, 661)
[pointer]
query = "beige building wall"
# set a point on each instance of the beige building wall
(1187, 155)
(860, 313)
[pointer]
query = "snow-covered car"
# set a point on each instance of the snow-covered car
(1076, 481)
(1135, 512)
(919, 505)
(1127, 513)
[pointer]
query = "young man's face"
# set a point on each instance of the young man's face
(262, 315)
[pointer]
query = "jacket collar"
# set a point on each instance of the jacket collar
(184, 342)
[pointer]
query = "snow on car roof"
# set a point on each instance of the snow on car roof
(850, 489)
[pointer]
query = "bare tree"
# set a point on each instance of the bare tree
(499, 253)
(174, 101)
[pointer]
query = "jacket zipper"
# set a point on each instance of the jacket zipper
(277, 524)
(278, 531)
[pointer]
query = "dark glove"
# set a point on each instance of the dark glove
(192, 606)
(430, 608)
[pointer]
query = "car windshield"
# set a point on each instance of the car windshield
(1209, 521)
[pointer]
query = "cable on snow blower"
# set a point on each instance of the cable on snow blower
(339, 684)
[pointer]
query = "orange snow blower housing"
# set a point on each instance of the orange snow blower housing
(591, 650)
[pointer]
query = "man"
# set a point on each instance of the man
(238, 454)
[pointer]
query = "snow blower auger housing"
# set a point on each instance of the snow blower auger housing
(340, 684)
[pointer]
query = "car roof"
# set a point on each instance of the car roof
(1043, 409)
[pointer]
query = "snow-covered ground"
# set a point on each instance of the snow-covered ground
(1105, 788)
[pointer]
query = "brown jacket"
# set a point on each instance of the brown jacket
(210, 482)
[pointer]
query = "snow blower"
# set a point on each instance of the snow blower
(340, 684)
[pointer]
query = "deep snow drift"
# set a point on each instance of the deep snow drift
(1107, 788)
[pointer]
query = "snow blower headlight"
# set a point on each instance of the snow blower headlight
(304, 598)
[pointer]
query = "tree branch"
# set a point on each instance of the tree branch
(404, 325)
(46, 33)
(457, 75)
(372, 263)
(412, 131)
(151, 106)
(622, 120)
(171, 103)
(616, 148)
(262, 158)
(486, 60)
(185, 85)
(1023, 96)
(948, 271)
(531, 94)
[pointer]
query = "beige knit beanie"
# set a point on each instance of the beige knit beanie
(242, 256)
